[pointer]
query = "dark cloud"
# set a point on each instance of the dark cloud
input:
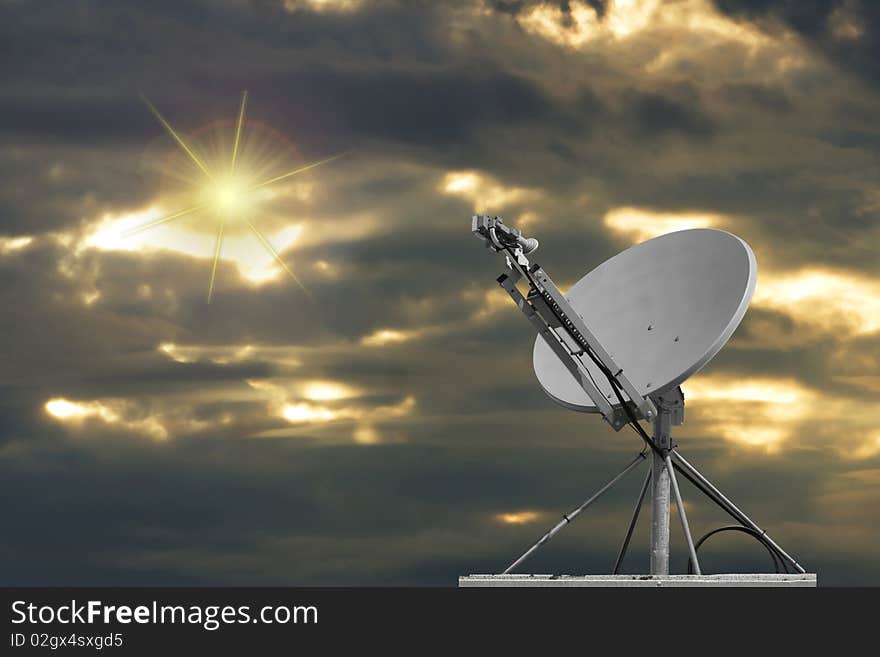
(763, 96)
(426, 109)
(848, 31)
(94, 120)
(668, 120)
(656, 115)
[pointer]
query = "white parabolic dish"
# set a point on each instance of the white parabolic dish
(662, 309)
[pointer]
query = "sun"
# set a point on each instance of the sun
(228, 197)
(226, 192)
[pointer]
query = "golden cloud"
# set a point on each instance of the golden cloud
(518, 517)
(770, 413)
(623, 19)
(12, 244)
(487, 194)
(828, 299)
(324, 6)
(255, 265)
(386, 336)
(640, 224)
(232, 353)
(756, 412)
(549, 21)
(320, 402)
(124, 414)
(662, 42)
(328, 391)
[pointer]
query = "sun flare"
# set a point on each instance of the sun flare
(228, 192)
(227, 197)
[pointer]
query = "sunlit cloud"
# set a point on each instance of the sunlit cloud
(232, 353)
(308, 390)
(770, 413)
(485, 192)
(869, 448)
(114, 412)
(660, 38)
(639, 224)
(305, 412)
(387, 336)
(375, 426)
(365, 418)
(756, 412)
(67, 410)
(328, 391)
(12, 244)
(326, 268)
(571, 30)
(174, 352)
(826, 298)
(579, 23)
(517, 517)
(255, 265)
(221, 355)
(488, 302)
(405, 407)
(313, 403)
(625, 18)
(366, 434)
(774, 391)
(324, 6)
(865, 382)
(845, 23)
(484, 305)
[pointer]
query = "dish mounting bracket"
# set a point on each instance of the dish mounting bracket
(558, 323)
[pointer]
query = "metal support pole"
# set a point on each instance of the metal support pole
(632, 524)
(683, 516)
(732, 509)
(660, 496)
(567, 518)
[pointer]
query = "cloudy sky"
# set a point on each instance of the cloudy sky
(379, 423)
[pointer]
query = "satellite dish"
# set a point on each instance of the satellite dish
(662, 309)
(619, 343)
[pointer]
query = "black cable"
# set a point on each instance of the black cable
(712, 496)
(777, 561)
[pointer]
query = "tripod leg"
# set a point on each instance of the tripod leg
(729, 506)
(632, 524)
(683, 516)
(567, 518)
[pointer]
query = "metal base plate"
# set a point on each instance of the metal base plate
(653, 581)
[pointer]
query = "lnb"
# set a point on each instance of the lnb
(498, 236)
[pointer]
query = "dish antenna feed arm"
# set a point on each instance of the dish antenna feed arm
(558, 323)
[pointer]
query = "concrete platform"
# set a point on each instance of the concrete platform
(653, 581)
